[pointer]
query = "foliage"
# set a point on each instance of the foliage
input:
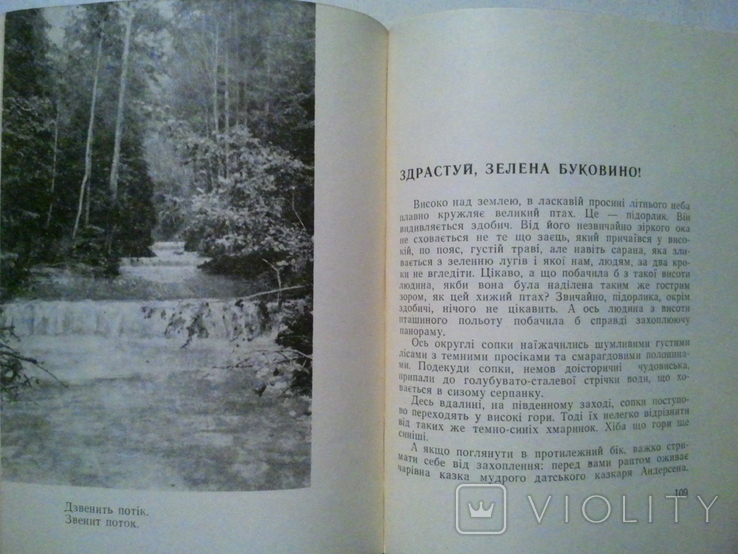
(13, 374)
(49, 130)
(249, 64)
(257, 222)
(253, 214)
(14, 367)
(207, 119)
(89, 249)
(241, 122)
(297, 336)
(26, 147)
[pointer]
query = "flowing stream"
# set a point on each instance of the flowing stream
(151, 398)
(137, 323)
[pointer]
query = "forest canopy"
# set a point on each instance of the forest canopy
(174, 120)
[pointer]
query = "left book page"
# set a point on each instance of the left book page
(192, 278)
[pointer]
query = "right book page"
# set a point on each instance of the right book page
(562, 240)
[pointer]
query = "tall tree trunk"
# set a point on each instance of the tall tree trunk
(115, 165)
(84, 187)
(216, 55)
(243, 71)
(216, 170)
(227, 98)
(52, 185)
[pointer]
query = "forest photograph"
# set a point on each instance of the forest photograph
(156, 245)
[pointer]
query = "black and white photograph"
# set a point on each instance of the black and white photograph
(156, 317)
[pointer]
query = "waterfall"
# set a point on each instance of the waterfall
(139, 323)
(174, 319)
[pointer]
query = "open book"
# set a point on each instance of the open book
(277, 280)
